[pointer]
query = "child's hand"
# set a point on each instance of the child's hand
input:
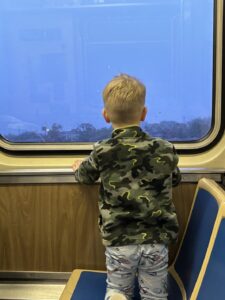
(76, 164)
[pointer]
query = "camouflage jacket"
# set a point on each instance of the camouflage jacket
(136, 187)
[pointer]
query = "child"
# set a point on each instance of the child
(137, 218)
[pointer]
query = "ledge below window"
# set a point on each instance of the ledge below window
(17, 176)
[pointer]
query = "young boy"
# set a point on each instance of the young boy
(137, 218)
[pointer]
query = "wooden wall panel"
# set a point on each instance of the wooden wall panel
(53, 227)
(183, 198)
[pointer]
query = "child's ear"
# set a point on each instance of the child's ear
(144, 113)
(105, 115)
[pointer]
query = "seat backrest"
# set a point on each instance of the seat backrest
(211, 284)
(199, 228)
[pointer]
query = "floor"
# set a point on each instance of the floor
(31, 291)
(32, 285)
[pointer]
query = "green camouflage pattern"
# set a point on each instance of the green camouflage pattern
(135, 172)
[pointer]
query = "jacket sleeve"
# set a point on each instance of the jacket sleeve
(88, 171)
(176, 175)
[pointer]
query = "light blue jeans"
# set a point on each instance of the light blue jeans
(148, 262)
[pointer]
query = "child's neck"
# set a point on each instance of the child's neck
(118, 126)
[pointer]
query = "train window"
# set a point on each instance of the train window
(57, 55)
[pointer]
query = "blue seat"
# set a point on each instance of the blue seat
(93, 281)
(96, 282)
(183, 279)
(213, 273)
(188, 264)
(92, 285)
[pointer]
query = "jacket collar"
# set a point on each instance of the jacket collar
(127, 132)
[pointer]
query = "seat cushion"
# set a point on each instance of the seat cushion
(92, 285)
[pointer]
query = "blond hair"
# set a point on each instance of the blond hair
(124, 99)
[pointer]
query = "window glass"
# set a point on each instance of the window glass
(57, 55)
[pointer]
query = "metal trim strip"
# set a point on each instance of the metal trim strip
(65, 175)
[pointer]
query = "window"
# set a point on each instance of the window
(57, 55)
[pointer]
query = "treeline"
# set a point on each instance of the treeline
(86, 132)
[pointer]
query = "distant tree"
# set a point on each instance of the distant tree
(26, 137)
(45, 129)
(167, 129)
(198, 128)
(103, 133)
(85, 132)
(54, 134)
(175, 131)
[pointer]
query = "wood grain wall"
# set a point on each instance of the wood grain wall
(53, 227)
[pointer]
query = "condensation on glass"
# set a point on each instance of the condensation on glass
(57, 55)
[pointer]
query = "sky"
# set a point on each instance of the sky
(56, 58)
